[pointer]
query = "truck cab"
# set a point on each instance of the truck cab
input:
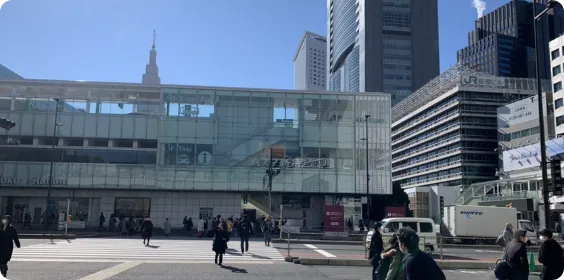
(527, 225)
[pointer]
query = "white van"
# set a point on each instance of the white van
(424, 227)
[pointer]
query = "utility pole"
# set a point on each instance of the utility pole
(50, 183)
(368, 200)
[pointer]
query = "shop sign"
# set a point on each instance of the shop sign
(295, 163)
(9, 181)
(41, 181)
(482, 80)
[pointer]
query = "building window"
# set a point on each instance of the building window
(559, 120)
(557, 87)
(556, 70)
(555, 54)
(558, 103)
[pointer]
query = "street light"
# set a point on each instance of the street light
(50, 183)
(368, 200)
(551, 5)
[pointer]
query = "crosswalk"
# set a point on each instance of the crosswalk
(133, 250)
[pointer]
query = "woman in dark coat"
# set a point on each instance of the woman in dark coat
(147, 230)
(219, 243)
(8, 236)
(550, 255)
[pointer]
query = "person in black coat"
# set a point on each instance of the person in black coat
(147, 230)
(376, 248)
(551, 256)
(516, 256)
(245, 231)
(219, 243)
(416, 264)
(8, 236)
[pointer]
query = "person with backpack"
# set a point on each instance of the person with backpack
(245, 232)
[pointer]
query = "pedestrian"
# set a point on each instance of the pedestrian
(390, 267)
(360, 226)
(167, 227)
(219, 243)
(229, 226)
(266, 228)
(201, 227)
(185, 223)
(8, 236)
(102, 221)
(236, 227)
(350, 225)
(551, 256)
(245, 231)
(508, 233)
(27, 220)
(516, 256)
(147, 230)
(112, 223)
(416, 264)
(189, 225)
(376, 248)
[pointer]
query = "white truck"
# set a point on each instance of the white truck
(482, 224)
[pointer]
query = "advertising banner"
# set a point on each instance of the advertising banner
(395, 211)
(188, 154)
(334, 218)
(529, 156)
(519, 112)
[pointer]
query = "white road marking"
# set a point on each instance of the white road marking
(323, 252)
(110, 272)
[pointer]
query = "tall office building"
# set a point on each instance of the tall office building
(151, 77)
(502, 41)
(387, 46)
(7, 74)
(309, 63)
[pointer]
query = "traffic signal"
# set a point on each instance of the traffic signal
(557, 177)
(245, 198)
(6, 124)
(442, 206)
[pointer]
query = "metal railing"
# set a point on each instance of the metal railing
(428, 158)
(435, 122)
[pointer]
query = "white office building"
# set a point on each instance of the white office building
(556, 63)
(309, 63)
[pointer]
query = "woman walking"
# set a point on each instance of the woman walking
(267, 230)
(8, 236)
(391, 267)
(167, 227)
(219, 243)
(147, 230)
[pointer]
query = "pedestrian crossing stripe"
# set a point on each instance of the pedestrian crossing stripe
(160, 251)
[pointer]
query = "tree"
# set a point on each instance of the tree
(397, 198)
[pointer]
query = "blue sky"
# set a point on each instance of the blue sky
(240, 43)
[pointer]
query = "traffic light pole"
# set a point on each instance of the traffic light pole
(270, 176)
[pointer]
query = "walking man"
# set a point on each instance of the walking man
(245, 231)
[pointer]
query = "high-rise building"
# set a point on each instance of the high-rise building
(7, 74)
(309, 63)
(387, 46)
(151, 77)
(502, 42)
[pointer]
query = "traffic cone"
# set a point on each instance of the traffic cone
(532, 265)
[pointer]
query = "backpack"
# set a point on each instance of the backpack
(502, 269)
(244, 226)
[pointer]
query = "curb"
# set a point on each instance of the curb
(321, 242)
(442, 264)
(46, 236)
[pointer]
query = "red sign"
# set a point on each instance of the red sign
(395, 211)
(334, 218)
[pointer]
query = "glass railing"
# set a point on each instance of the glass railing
(403, 176)
(421, 139)
(435, 122)
(423, 117)
(428, 158)
(439, 178)
(511, 196)
(426, 148)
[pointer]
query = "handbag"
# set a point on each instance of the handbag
(500, 241)
(502, 269)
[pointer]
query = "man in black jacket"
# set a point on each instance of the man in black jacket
(245, 231)
(416, 264)
(551, 256)
(516, 256)
(376, 248)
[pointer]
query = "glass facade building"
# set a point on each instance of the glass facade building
(202, 140)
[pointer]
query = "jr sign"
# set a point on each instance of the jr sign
(482, 80)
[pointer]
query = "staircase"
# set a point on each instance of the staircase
(471, 193)
(260, 202)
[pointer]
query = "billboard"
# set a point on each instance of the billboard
(529, 156)
(334, 218)
(519, 112)
(394, 211)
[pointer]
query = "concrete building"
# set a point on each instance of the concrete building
(502, 42)
(309, 63)
(387, 46)
(109, 158)
(445, 134)
(557, 63)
